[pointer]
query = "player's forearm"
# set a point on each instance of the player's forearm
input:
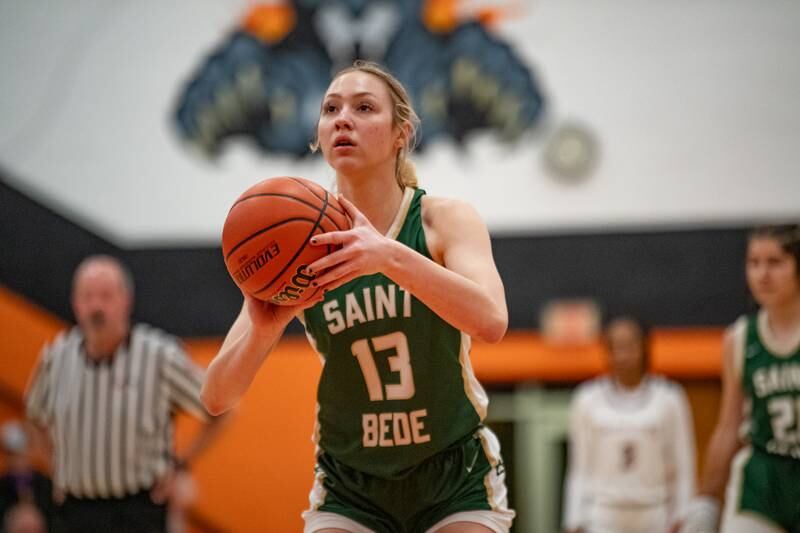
(232, 371)
(684, 459)
(721, 448)
(204, 438)
(573, 511)
(463, 303)
(41, 445)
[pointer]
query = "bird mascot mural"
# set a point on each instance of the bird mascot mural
(266, 80)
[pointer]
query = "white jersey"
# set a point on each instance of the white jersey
(629, 449)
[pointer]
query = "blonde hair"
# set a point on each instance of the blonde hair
(403, 116)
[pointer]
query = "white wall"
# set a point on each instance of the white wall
(695, 105)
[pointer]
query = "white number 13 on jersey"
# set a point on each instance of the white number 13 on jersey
(399, 363)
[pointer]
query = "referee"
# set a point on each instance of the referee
(106, 392)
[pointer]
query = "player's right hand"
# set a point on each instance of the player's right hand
(270, 319)
(362, 250)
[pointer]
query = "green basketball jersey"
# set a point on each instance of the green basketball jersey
(397, 385)
(772, 383)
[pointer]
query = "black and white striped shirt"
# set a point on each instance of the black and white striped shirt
(111, 422)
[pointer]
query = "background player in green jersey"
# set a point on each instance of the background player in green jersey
(401, 444)
(760, 387)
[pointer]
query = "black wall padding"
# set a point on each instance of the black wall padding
(669, 278)
(675, 278)
(186, 291)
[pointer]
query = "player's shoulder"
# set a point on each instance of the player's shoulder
(738, 326)
(434, 201)
(439, 209)
(663, 384)
(669, 389)
(590, 389)
(735, 336)
(657, 381)
(737, 331)
(65, 337)
(61, 344)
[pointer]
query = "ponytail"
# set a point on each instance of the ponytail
(405, 172)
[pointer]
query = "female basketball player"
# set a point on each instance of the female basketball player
(402, 448)
(761, 373)
(631, 467)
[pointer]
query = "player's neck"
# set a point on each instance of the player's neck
(103, 344)
(784, 319)
(378, 198)
(628, 382)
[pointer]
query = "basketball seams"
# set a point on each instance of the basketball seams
(300, 249)
(309, 188)
(325, 204)
(274, 195)
(316, 290)
(312, 191)
(332, 221)
(259, 232)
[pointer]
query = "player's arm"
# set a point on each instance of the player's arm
(468, 291)
(703, 512)
(38, 410)
(184, 380)
(38, 401)
(577, 468)
(725, 440)
(683, 454)
(462, 285)
(250, 339)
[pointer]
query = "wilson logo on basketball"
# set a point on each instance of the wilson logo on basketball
(256, 262)
(292, 291)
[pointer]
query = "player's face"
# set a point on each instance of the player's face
(356, 131)
(771, 272)
(100, 299)
(625, 348)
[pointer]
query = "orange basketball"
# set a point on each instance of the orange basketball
(265, 237)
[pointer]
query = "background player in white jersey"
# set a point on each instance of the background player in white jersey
(760, 394)
(632, 457)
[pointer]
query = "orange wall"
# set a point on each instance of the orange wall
(23, 330)
(704, 400)
(256, 477)
(259, 472)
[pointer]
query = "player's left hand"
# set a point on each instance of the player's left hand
(363, 251)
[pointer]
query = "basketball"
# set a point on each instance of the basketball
(265, 239)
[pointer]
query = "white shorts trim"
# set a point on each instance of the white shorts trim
(735, 520)
(318, 520)
(497, 521)
(495, 480)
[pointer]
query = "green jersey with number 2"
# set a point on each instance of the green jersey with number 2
(772, 382)
(397, 385)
